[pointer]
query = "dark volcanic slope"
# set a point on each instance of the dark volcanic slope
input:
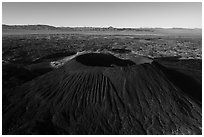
(90, 96)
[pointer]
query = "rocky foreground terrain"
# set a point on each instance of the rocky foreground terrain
(101, 84)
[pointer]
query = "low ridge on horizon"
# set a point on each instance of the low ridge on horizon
(49, 25)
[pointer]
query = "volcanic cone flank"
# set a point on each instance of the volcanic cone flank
(101, 94)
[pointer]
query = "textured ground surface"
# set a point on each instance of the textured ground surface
(102, 94)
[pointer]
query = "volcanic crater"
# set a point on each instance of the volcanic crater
(98, 93)
(102, 59)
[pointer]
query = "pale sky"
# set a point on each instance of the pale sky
(132, 15)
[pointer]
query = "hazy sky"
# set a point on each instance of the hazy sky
(104, 14)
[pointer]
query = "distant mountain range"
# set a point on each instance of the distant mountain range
(48, 27)
(41, 29)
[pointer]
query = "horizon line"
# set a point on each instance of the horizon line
(101, 26)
